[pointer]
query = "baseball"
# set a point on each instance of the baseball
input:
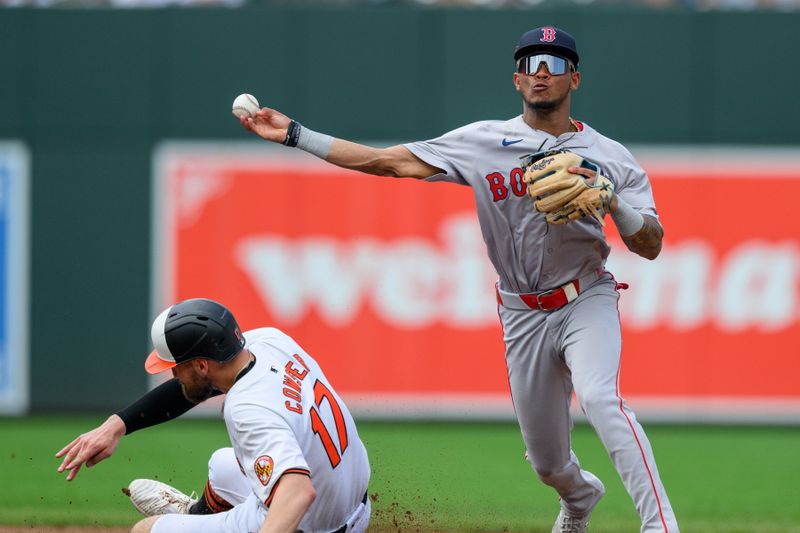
(245, 105)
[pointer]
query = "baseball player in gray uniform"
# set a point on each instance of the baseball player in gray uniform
(557, 304)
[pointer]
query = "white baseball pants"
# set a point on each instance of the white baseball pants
(248, 514)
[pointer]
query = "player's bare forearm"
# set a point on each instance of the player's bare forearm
(293, 496)
(395, 161)
(647, 241)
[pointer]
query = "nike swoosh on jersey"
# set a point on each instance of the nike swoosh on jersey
(509, 143)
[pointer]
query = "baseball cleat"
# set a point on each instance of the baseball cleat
(570, 522)
(151, 497)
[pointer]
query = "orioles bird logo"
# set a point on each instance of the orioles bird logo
(263, 468)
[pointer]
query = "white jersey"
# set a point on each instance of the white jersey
(529, 254)
(284, 417)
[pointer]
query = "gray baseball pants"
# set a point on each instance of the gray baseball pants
(577, 347)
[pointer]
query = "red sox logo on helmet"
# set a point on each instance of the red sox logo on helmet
(548, 35)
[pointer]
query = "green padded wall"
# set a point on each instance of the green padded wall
(92, 91)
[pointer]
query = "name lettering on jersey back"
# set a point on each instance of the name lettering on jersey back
(499, 186)
(293, 384)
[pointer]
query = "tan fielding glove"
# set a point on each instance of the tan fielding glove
(561, 195)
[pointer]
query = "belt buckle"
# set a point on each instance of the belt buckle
(545, 294)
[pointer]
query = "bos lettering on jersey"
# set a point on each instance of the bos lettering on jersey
(292, 384)
(499, 186)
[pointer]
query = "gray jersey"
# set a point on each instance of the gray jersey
(529, 254)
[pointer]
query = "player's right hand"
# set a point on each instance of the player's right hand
(92, 447)
(268, 124)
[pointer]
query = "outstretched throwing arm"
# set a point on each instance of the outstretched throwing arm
(396, 161)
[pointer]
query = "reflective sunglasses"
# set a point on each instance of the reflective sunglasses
(556, 65)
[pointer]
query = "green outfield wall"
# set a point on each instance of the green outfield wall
(91, 92)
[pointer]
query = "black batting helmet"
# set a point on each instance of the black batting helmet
(190, 329)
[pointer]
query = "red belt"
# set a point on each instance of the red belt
(549, 300)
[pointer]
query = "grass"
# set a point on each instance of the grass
(426, 476)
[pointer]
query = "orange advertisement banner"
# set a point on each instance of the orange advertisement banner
(386, 281)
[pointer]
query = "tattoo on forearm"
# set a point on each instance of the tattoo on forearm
(647, 241)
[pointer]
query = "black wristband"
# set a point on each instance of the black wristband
(292, 134)
(163, 403)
